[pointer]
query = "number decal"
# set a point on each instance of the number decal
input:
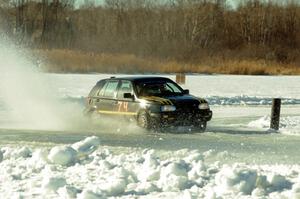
(126, 106)
(123, 106)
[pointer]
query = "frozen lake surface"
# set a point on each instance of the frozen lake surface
(237, 157)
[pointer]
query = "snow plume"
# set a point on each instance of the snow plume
(27, 93)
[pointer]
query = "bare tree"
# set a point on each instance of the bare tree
(173, 29)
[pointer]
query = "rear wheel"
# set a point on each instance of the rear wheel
(92, 117)
(143, 120)
(91, 113)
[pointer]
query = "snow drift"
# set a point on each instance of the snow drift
(288, 124)
(88, 170)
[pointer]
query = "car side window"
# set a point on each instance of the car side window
(126, 87)
(109, 89)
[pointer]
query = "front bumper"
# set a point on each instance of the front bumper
(178, 118)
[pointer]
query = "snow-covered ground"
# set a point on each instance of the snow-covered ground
(87, 169)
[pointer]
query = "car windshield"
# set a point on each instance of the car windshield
(161, 88)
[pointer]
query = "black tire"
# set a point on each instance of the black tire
(89, 111)
(90, 114)
(143, 120)
(92, 117)
(201, 127)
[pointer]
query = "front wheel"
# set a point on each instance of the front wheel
(201, 127)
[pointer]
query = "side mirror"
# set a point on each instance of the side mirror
(186, 91)
(128, 96)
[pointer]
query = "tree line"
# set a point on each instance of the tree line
(185, 30)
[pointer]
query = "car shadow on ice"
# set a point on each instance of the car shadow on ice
(212, 129)
(238, 131)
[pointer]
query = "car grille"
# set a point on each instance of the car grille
(186, 108)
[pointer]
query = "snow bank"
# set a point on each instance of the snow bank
(287, 125)
(235, 179)
(63, 155)
(69, 155)
(173, 177)
(248, 100)
(263, 122)
(67, 192)
(53, 183)
(114, 186)
(88, 194)
(87, 146)
(1, 155)
(58, 172)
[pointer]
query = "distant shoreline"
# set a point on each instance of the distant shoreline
(71, 61)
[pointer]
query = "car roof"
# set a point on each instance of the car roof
(140, 78)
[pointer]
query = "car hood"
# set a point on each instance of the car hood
(181, 100)
(186, 100)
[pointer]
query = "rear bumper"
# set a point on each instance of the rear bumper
(182, 118)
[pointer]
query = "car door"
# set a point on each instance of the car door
(107, 98)
(126, 106)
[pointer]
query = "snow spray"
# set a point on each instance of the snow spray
(27, 94)
(28, 100)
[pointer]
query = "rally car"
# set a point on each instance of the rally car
(153, 102)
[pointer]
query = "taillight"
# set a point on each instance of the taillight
(88, 100)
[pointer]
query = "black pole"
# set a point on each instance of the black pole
(180, 78)
(275, 115)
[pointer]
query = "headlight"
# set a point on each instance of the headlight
(168, 108)
(203, 106)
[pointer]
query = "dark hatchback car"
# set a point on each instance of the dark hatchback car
(153, 102)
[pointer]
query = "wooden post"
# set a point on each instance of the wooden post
(180, 78)
(275, 115)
